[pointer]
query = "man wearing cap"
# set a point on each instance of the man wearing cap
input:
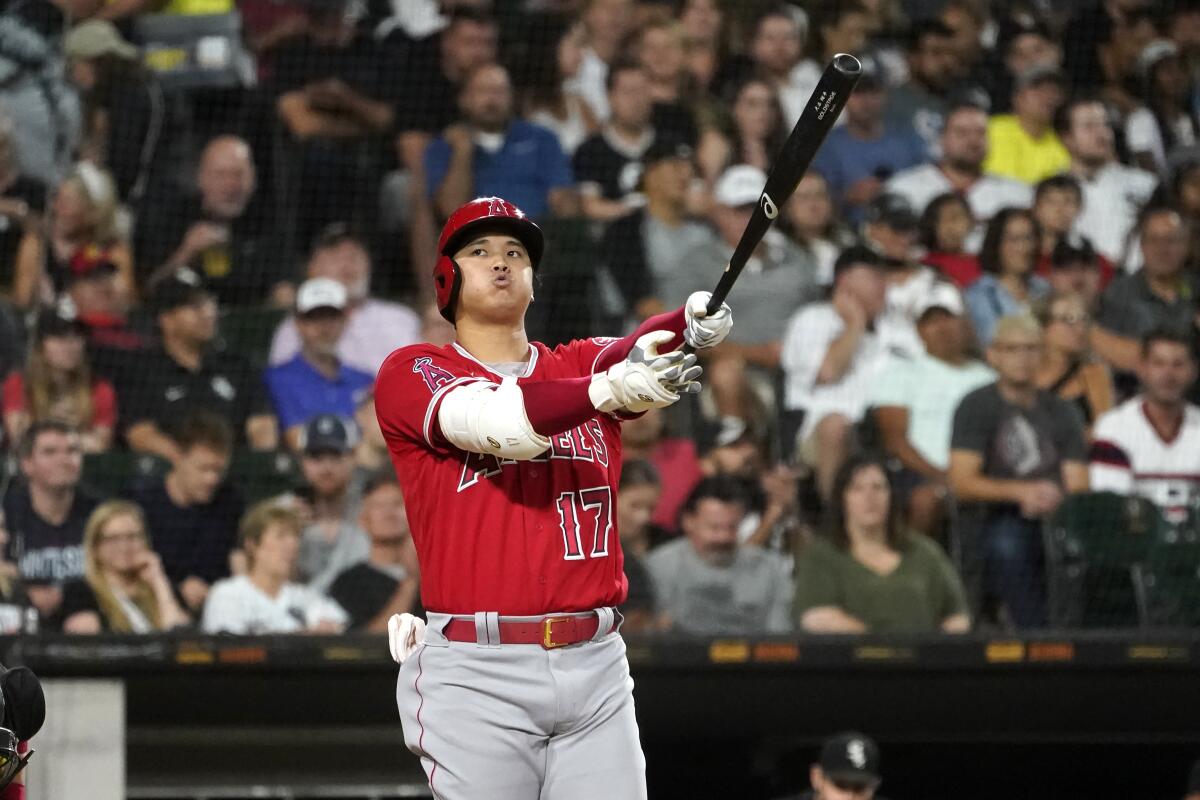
(316, 381)
(332, 541)
(185, 373)
(1022, 145)
(859, 156)
(848, 769)
(890, 229)
(915, 398)
(644, 250)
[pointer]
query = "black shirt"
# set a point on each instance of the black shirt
(77, 596)
(33, 194)
(363, 590)
(427, 101)
(615, 173)
(362, 65)
(641, 587)
(191, 540)
(164, 392)
(46, 553)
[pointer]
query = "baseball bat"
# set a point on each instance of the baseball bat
(822, 110)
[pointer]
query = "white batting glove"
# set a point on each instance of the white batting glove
(646, 378)
(703, 330)
(405, 632)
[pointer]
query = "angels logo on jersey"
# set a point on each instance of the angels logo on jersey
(435, 377)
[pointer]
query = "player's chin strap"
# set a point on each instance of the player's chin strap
(11, 761)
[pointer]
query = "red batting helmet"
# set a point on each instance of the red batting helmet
(492, 213)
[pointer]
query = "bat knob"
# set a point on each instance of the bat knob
(846, 63)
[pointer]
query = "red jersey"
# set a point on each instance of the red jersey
(517, 537)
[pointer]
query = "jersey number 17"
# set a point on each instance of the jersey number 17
(575, 511)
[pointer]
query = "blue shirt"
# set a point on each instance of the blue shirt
(988, 300)
(527, 166)
(844, 160)
(299, 392)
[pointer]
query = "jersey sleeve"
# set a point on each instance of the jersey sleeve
(599, 353)
(409, 390)
(1110, 469)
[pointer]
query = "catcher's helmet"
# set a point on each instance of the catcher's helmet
(493, 213)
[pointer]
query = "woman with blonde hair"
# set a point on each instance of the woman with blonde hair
(124, 588)
(81, 241)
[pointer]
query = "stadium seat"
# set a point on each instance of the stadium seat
(260, 475)
(1094, 544)
(1168, 582)
(248, 331)
(114, 472)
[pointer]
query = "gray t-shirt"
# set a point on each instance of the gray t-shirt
(666, 246)
(752, 595)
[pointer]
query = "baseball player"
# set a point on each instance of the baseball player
(509, 454)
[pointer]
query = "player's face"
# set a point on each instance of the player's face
(712, 529)
(383, 515)
(200, 470)
(56, 461)
(497, 279)
(1166, 372)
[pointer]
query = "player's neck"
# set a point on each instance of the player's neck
(493, 343)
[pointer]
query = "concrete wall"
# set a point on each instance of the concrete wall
(81, 749)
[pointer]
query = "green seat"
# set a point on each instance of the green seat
(113, 473)
(1168, 582)
(260, 475)
(1094, 544)
(248, 332)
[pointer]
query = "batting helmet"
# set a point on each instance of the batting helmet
(492, 213)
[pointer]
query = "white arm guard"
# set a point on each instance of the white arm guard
(482, 417)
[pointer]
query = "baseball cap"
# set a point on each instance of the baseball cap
(851, 757)
(666, 149)
(894, 211)
(1153, 54)
(1017, 25)
(328, 433)
(96, 38)
(320, 293)
(90, 261)
(182, 287)
(739, 186)
(1072, 250)
(858, 256)
(1040, 73)
(59, 320)
(871, 77)
(944, 296)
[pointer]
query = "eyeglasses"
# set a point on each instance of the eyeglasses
(1023, 349)
(128, 537)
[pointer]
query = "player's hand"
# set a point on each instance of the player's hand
(702, 329)
(646, 378)
(405, 632)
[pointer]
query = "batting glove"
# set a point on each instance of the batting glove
(405, 632)
(646, 378)
(702, 329)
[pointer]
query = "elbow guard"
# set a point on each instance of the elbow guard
(482, 417)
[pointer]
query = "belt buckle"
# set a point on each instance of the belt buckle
(548, 632)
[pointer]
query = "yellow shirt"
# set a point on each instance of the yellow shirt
(1013, 153)
(197, 7)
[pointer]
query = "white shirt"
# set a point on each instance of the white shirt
(374, 330)
(809, 333)
(905, 299)
(236, 605)
(1129, 457)
(1111, 199)
(930, 390)
(570, 131)
(590, 82)
(986, 196)
(1142, 135)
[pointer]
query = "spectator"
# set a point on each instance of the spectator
(752, 135)
(550, 97)
(858, 157)
(1168, 120)
(964, 147)
(1150, 445)
(1025, 42)
(644, 251)
(966, 22)
(374, 327)
(840, 27)
(659, 49)
(58, 383)
(870, 574)
(46, 513)
(933, 67)
(890, 228)
(1015, 450)
(1075, 268)
(810, 221)
(607, 24)
(316, 381)
(124, 588)
(945, 226)
(832, 354)
(609, 163)
(13, 600)
(489, 154)
(127, 120)
(22, 202)
(1069, 370)
(264, 600)
(637, 498)
(1023, 145)
(914, 401)
(332, 540)
(1183, 191)
(216, 231)
(1009, 284)
(82, 231)
(779, 277)
(774, 53)
(848, 769)
(1112, 192)
(388, 581)
(709, 585)
(1057, 201)
(704, 41)
(371, 455)
(184, 373)
(645, 438)
(193, 511)
(334, 96)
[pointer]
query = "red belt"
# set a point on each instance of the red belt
(549, 632)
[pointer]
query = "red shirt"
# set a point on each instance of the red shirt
(517, 537)
(679, 472)
(104, 399)
(960, 268)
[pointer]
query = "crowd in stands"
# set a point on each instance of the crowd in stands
(981, 300)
